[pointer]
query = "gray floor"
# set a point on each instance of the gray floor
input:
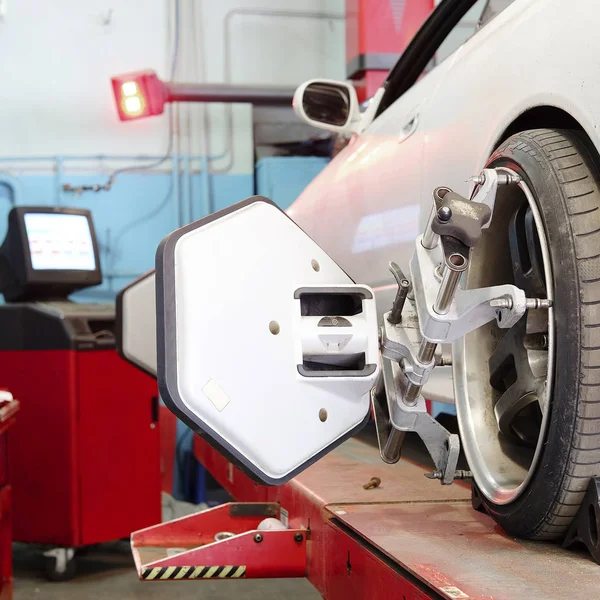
(107, 572)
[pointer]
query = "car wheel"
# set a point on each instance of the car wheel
(530, 426)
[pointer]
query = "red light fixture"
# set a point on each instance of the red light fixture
(139, 94)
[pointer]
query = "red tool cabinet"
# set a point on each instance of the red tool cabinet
(8, 410)
(84, 454)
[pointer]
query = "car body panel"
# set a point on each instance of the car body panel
(367, 206)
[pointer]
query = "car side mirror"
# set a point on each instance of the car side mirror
(328, 104)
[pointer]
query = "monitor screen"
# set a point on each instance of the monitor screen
(59, 242)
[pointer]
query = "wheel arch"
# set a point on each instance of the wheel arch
(541, 117)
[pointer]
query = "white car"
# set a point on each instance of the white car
(522, 93)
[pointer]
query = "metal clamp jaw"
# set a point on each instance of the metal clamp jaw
(465, 310)
(401, 345)
(441, 312)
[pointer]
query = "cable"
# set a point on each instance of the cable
(165, 157)
(133, 224)
(155, 211)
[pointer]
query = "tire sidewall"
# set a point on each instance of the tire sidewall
(526, 514)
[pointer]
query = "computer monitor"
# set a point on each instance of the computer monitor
(48, 253)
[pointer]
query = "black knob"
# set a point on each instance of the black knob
(444, 214)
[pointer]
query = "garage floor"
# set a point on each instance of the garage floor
(107, 571)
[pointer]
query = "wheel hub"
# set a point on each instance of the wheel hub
(503, 417)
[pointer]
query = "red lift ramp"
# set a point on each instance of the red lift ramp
(407, 538)
(223, 542)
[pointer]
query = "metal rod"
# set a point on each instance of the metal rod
(452, 272)
(447, 291)
(390, 453)
(395, 315)
(426, 351)
(219, 92)
(411, 394)
(425, 355)
(430, 239)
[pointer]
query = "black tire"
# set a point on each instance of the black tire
(561, 168)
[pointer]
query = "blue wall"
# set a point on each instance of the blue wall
(130, 219)
(282, 178)
(141, 208)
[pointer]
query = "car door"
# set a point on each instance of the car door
(364, 208)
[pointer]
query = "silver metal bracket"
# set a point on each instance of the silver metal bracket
(440, 312)
(469, 310)
(401, 344)
(486, 187)
(442, 445)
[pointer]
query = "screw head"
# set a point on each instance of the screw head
(444, 214)
(298, 537)
(258, 538)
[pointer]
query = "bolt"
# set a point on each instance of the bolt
(258, 538)
(502, 303)
(298, 537)
(458, 474)
(478, 179)
(444, 214)
(538, 303)
(508, 178)
(373, 483)
(530, 303)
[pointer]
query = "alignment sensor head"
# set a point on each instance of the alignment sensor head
(265, 345)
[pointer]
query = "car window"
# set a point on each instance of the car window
(493, 8)
(462, 31)
(479, 16)
(427, 51)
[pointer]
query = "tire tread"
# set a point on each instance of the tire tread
(575, 170)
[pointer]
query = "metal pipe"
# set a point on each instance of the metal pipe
(452, 272)
(390, 453)
(430, 239)
(425, 355)
(175, 192)
(426, 351)
(85, 157)
(395, 315)
(453, 269)
(404, 287)
(186, 190)
(218, 92)
(206, 191)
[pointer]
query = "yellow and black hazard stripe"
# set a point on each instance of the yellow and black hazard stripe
(223, 572)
